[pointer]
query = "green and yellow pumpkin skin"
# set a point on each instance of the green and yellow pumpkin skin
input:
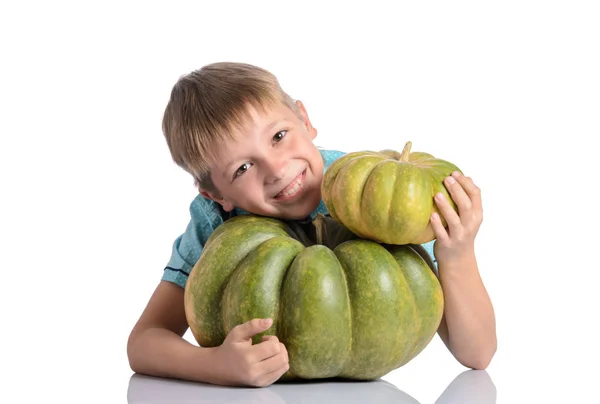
(356, 310)
(387, 196)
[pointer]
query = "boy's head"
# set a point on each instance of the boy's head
(246, 143)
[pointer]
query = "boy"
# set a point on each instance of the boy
(249, 148)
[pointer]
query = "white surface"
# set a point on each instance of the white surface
(470, 386)
(91, 201)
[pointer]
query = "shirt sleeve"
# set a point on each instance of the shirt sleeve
(329, 156)
(429, 248)
(205, 217)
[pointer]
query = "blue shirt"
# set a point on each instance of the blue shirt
(205, 216)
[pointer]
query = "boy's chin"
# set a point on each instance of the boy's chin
(294, 212)
(301, 212)
(295, 216)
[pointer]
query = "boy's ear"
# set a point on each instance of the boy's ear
(312, 131)
(227, 206)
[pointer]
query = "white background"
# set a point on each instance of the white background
(91, 202)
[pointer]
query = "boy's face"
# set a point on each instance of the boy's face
(272, 167)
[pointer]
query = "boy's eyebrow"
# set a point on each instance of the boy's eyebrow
(226, 169)
(267, 129)
(270, 126)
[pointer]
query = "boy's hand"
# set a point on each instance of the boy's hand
(457, 244)
(241, 363)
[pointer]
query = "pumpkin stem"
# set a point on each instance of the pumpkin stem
(329, 232)
(405, 152)
(320, 228)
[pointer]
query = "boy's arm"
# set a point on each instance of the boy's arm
(156, 347)
(468, 327)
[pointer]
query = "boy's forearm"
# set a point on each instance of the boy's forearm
(468, 313)
(163, 353)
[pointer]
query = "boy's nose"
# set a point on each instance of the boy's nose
(276, 171)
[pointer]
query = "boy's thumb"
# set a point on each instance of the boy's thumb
(251, 328)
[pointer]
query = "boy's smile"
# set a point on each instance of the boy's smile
(294, 189)
(271, 167)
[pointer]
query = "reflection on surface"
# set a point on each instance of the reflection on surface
(471, 386)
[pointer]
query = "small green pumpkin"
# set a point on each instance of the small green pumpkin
(387, 196)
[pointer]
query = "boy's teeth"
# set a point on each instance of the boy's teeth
(292, 188)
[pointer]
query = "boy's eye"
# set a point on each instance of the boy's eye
(243, 168)
(279, 135)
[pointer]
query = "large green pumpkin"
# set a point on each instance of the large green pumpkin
(387, 196)
(343, 306)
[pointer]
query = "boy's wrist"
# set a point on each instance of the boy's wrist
(460, 265)
(204, 365)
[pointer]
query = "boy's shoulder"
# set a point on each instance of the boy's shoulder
(330, 155)
(208, 210)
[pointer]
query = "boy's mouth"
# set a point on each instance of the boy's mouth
(293, 189)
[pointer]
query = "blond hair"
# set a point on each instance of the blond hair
(206, 105)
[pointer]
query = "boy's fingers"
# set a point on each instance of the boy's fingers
(446, 210)
(468, 185)
(285, 352)
(472, 190)
(438, 228)
(247, 330)
(473, 212)
(454, 184)
(266, 349)
(269, 337)
(279, 362)
(271, 377)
